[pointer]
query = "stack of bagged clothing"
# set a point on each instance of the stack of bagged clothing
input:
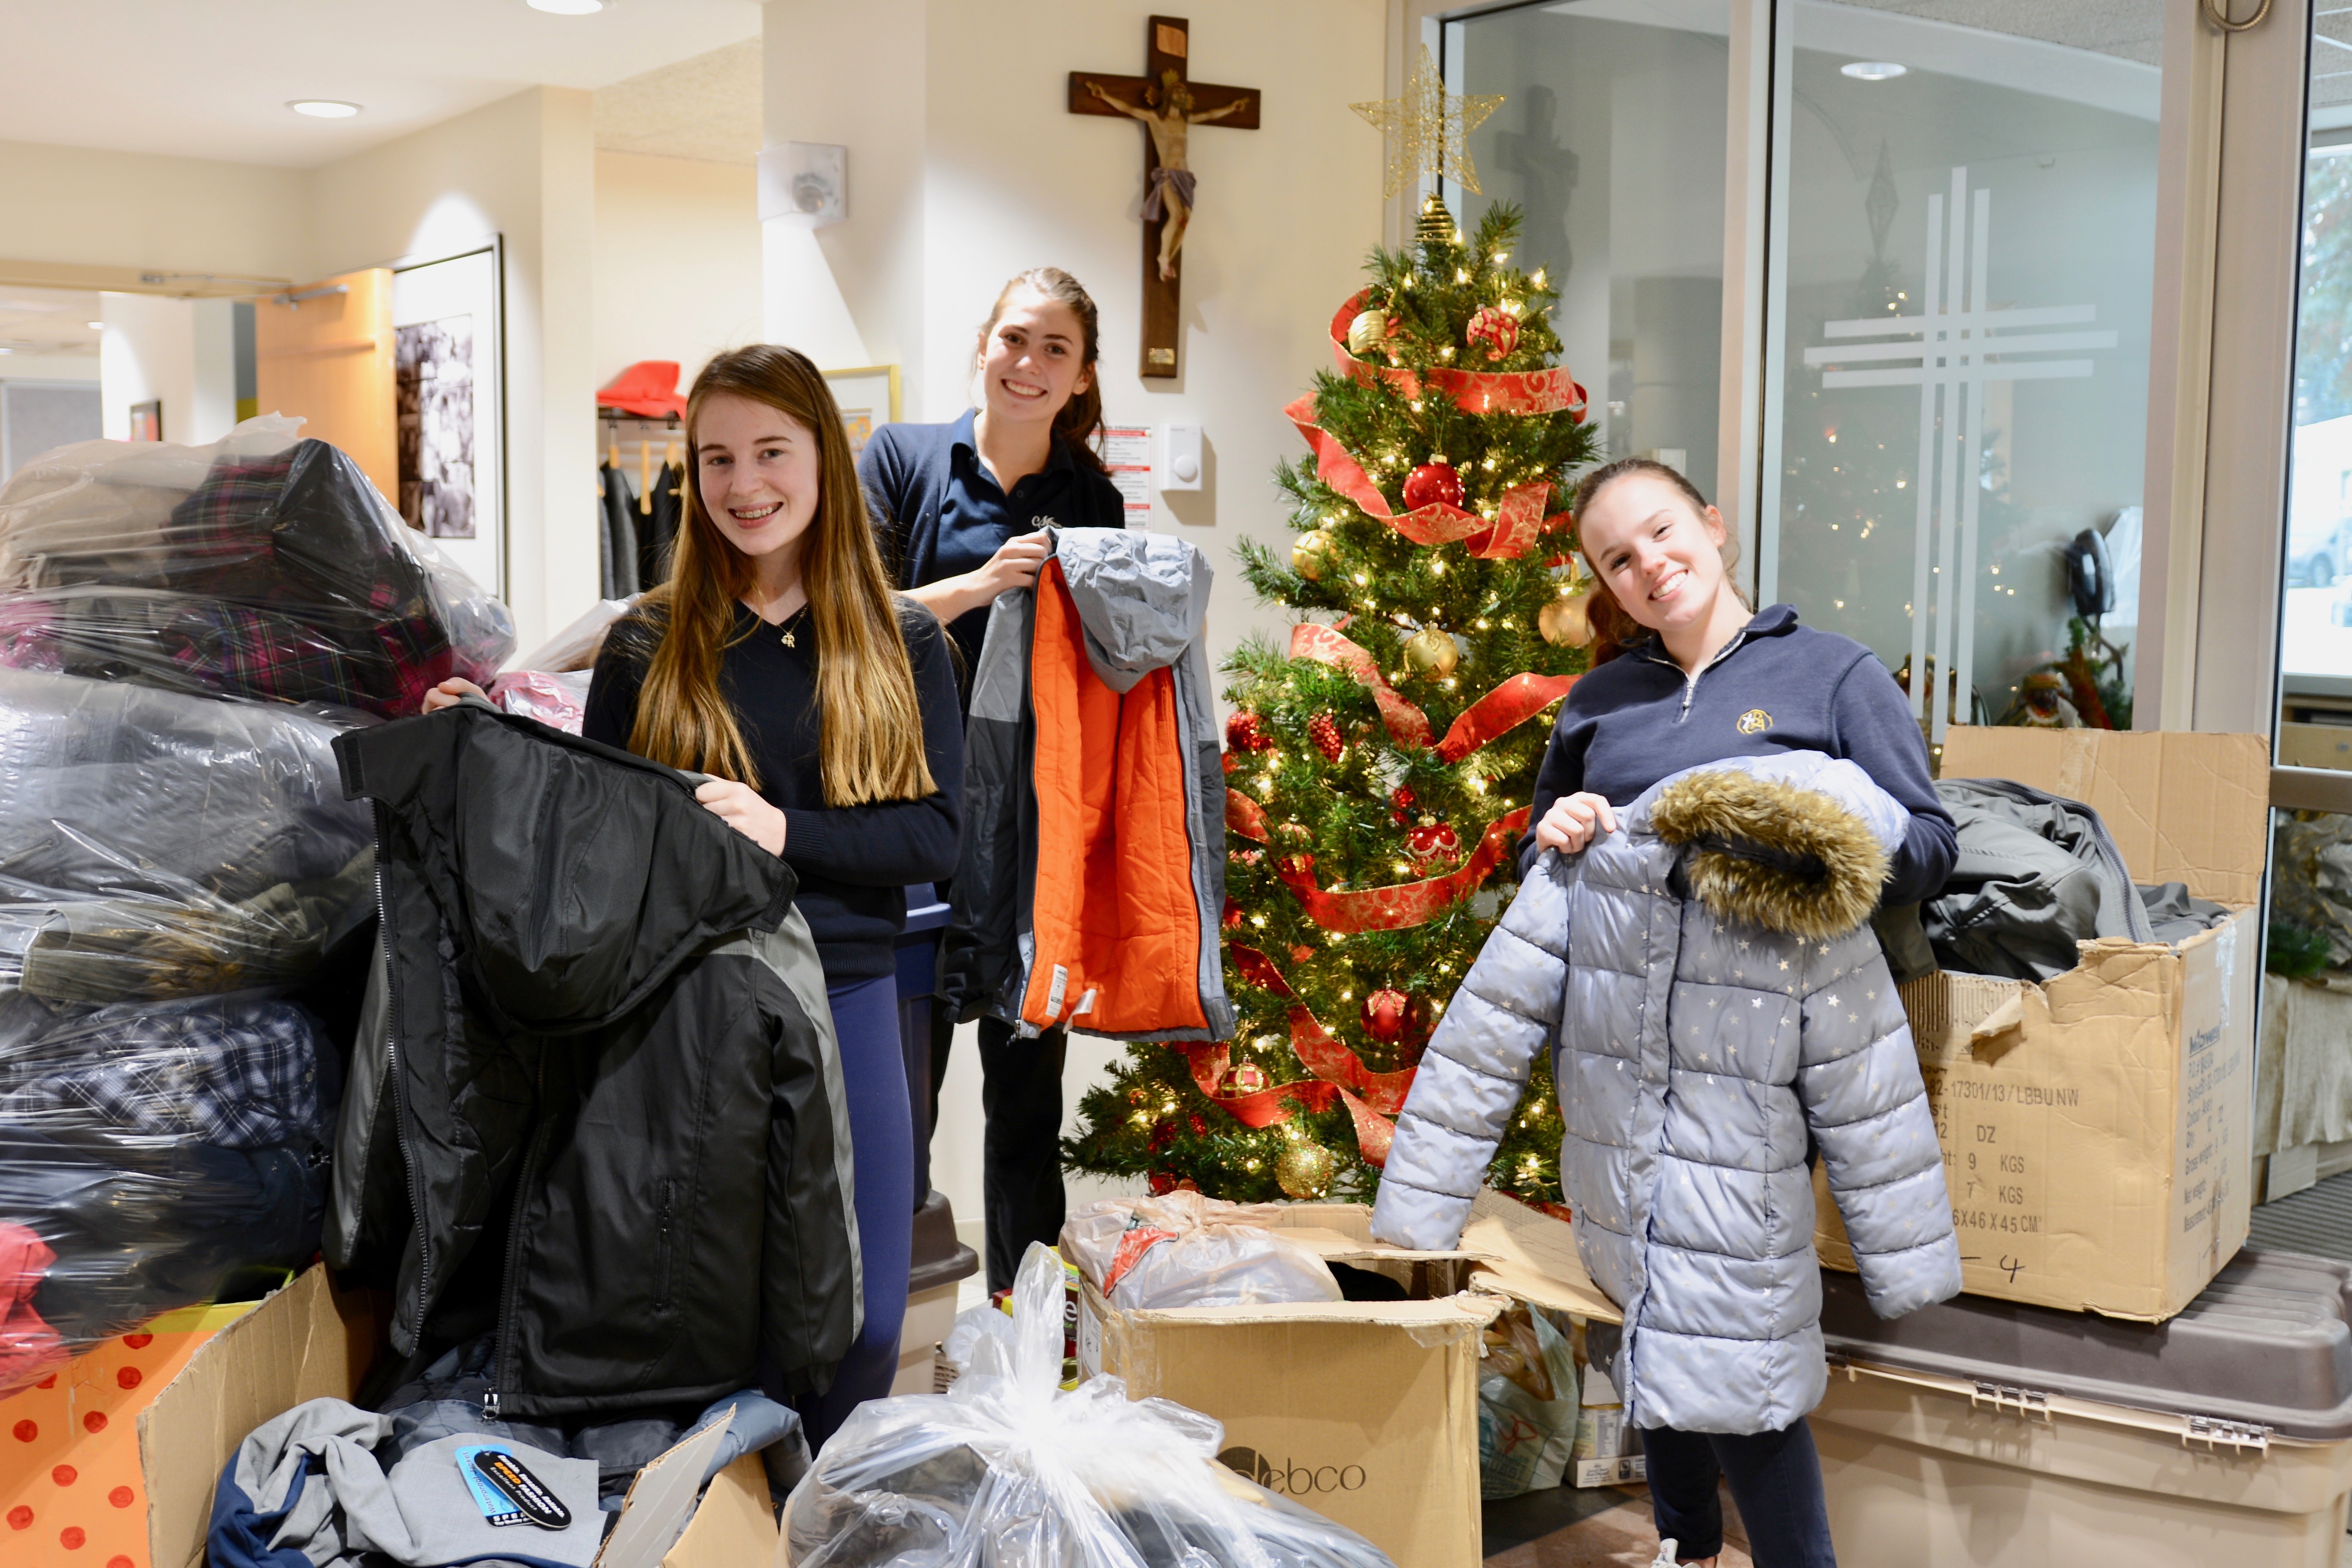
(183, 885)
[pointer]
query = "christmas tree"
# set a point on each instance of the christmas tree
(1380, 760)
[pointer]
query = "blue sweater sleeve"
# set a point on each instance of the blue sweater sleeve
(1876, 732)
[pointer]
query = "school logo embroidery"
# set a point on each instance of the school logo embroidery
(1755, 721)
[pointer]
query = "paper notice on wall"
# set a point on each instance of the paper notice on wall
(1127, 453)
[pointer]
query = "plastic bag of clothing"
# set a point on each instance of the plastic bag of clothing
(153, 844)
(1527, 1404)
(555, 698)
(262, 566)
(1007, 1471)
(151, 1156)
(1187, 1250)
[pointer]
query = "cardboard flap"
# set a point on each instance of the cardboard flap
(1532, 1258)
(2184, 807)
(1342, 1233)
(661, 1500)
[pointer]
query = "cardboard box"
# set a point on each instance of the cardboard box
(2096, 1128)
(1366, 1412)
(71, 1493)
(307, 1342)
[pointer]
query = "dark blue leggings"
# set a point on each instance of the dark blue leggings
(1776, 1479)
(882, 1129)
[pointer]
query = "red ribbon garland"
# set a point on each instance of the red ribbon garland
(1509, 705)
(1507, 535)
(1520, 392)
(1403, 904)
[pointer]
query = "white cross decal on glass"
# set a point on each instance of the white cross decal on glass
(1954, 350)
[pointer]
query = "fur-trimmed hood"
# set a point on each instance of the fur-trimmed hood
(1797, 843)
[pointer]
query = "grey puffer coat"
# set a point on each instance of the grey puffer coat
(1713, 993)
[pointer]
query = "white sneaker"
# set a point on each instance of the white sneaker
(1666, 1557)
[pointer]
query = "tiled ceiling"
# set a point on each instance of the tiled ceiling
(705, 107)
(47, 320)
(2129, 29)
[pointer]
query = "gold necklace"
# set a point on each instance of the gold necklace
(792, 625)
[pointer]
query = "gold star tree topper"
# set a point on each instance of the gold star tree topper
(1429, 127)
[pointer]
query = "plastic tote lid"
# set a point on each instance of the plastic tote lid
(2268, 1342)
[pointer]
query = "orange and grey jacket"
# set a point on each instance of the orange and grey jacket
(1092, 867)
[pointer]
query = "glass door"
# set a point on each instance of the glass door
(1959, 267)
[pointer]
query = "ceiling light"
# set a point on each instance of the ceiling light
(1873, 70)
(95, 326)
(323, 108)
(567, 7)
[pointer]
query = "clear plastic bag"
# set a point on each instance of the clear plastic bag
(555, 698)
(575, 648)
(151, 1156)
(1005, 1470)
(1527, 1403)
(155, 846)
(1187, 1250)
(262, 566)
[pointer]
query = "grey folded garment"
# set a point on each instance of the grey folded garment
(2174, 914)
(314, 1480)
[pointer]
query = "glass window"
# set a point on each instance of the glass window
(1959, 294)
(2315, 615)
(1611, 140)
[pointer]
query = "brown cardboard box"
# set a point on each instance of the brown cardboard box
(307, 1342)
(1366, 1412)
(2096, 1128)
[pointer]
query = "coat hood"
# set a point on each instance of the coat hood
(558, 929)
(1797, 843)
(1140, 598)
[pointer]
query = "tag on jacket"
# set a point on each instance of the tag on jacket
(506, 1492)
(1053, 993)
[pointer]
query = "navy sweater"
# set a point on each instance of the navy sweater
(855, 862)
(1776, 686)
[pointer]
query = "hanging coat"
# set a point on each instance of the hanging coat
(597, 1103)
(1093, 871)
(1716, 1003)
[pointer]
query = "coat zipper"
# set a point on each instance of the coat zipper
(1690, 682)
(392, 1071)
(503, 1349)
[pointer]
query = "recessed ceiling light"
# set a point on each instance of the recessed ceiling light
(95, 326)
(1873, 70)
(323, 108)
(567, 7)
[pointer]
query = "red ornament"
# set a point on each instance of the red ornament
(1399, 799)
(1433, 484)
(1297, 955)
(1162, 1184)
(1497, 329)
(1233, 916)
(1383, 1013)
(1245, 857)
(1162, 1136)
(1200, 1126)
(1324, 731)
(1246, 731)
(1433, 841)
(1247, 1079)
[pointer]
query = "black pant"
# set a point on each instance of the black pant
(1021, 1153)
(1776, 1479)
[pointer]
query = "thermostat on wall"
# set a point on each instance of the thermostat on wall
(805, 183)
(1180, 464)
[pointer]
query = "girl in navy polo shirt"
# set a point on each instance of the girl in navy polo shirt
(960, 509)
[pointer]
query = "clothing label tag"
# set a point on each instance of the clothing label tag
(1086, 1002)
(1054, 992)
(506, 1492)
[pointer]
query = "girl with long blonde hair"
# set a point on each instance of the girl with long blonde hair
(779, 659)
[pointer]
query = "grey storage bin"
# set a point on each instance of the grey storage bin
(1983, 1433)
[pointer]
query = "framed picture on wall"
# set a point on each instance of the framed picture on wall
(868, 397)
(449, 397)
(147, 421)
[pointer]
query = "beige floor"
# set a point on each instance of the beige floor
(1622, 1537)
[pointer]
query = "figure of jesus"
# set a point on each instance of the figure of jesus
(1172, 182)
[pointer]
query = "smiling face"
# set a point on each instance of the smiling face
(757, 469)
(1660, 556)
(1033, 361)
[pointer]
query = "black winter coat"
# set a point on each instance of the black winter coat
(601, 1109)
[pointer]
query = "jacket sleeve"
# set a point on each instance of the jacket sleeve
(814, 1304)
(1475, 1068)
(1858, 1078)
(1875, 730)
(978, 951)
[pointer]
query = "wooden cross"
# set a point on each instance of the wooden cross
(1169, 104)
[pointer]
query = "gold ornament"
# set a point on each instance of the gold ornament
(1366, 332)
(1304, 1169)
(1435, 227)
(1430, 652)
(1309, 553)
(1566, 622)
(1427, 127)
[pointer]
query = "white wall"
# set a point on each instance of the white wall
(677, 261)
(525, 168)
(965, 167)
(147, 353)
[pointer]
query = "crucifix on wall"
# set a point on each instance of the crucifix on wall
(1168, 104)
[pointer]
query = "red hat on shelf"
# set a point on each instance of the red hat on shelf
(647, 389)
